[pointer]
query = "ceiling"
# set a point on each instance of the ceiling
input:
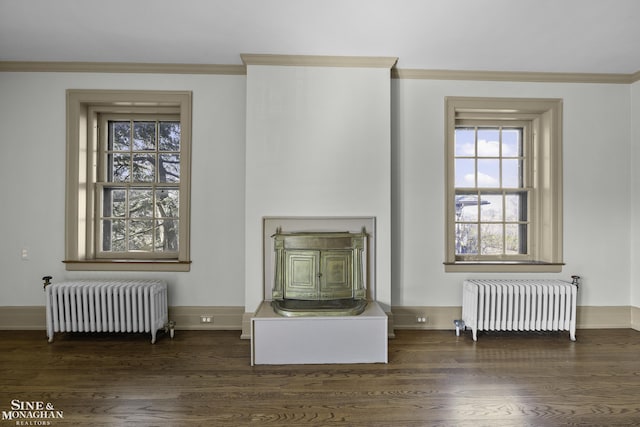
(572, 36)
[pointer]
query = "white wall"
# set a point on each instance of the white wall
(634, 160)
(596, 188)
(32, 170)
(600, 186)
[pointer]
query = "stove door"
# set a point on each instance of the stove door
(336, 274)
(301, 279)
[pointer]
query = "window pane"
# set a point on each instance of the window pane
(492, 239)
(465, 142)
(511, 143)
(467, 207)
(114, 202)
(169, 170)
(141, 235)
(120, 167)
(143, 168)
(516, 207)
(466, 239)
(512, 173)
(120, 136)
(166, 235)
(113, 235)
(488, 142)
(167, 203)
(515, 239)
(140, 203)
(144, 136)
(465, 173)
(169, 136)
(489, 173)
(491, 207)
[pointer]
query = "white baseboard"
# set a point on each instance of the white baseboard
(588, 317)
(23, 318)
(613, 317)
(635, 318)
(246, 325)
(185, 317)
(401, 317)
(222, 318)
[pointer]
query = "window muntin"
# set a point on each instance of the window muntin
(491, 197)
(138, 186)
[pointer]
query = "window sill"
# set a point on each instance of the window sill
(127, 265)
(502, 267)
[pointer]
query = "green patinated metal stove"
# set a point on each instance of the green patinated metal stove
(319, 273)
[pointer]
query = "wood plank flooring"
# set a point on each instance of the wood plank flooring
(433, 378)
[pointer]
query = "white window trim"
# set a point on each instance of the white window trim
(83, 107)
(546, 238)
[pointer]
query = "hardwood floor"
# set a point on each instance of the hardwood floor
(433, 378)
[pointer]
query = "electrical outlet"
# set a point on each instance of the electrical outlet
(206, 319)
(422, 319)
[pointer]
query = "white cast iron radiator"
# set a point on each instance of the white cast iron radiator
(519, 305)
(107, 306)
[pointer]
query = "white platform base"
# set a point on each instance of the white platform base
(278, 340)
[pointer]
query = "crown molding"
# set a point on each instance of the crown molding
(319, 60)
(121, 67)
(515, 76)
(322, 61)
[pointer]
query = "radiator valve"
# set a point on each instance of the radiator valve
(459, 324)
(575, 280)
(47, 281)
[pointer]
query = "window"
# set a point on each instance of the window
(138, 187)
(492, 193)
(128, 180)
(504, 181)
